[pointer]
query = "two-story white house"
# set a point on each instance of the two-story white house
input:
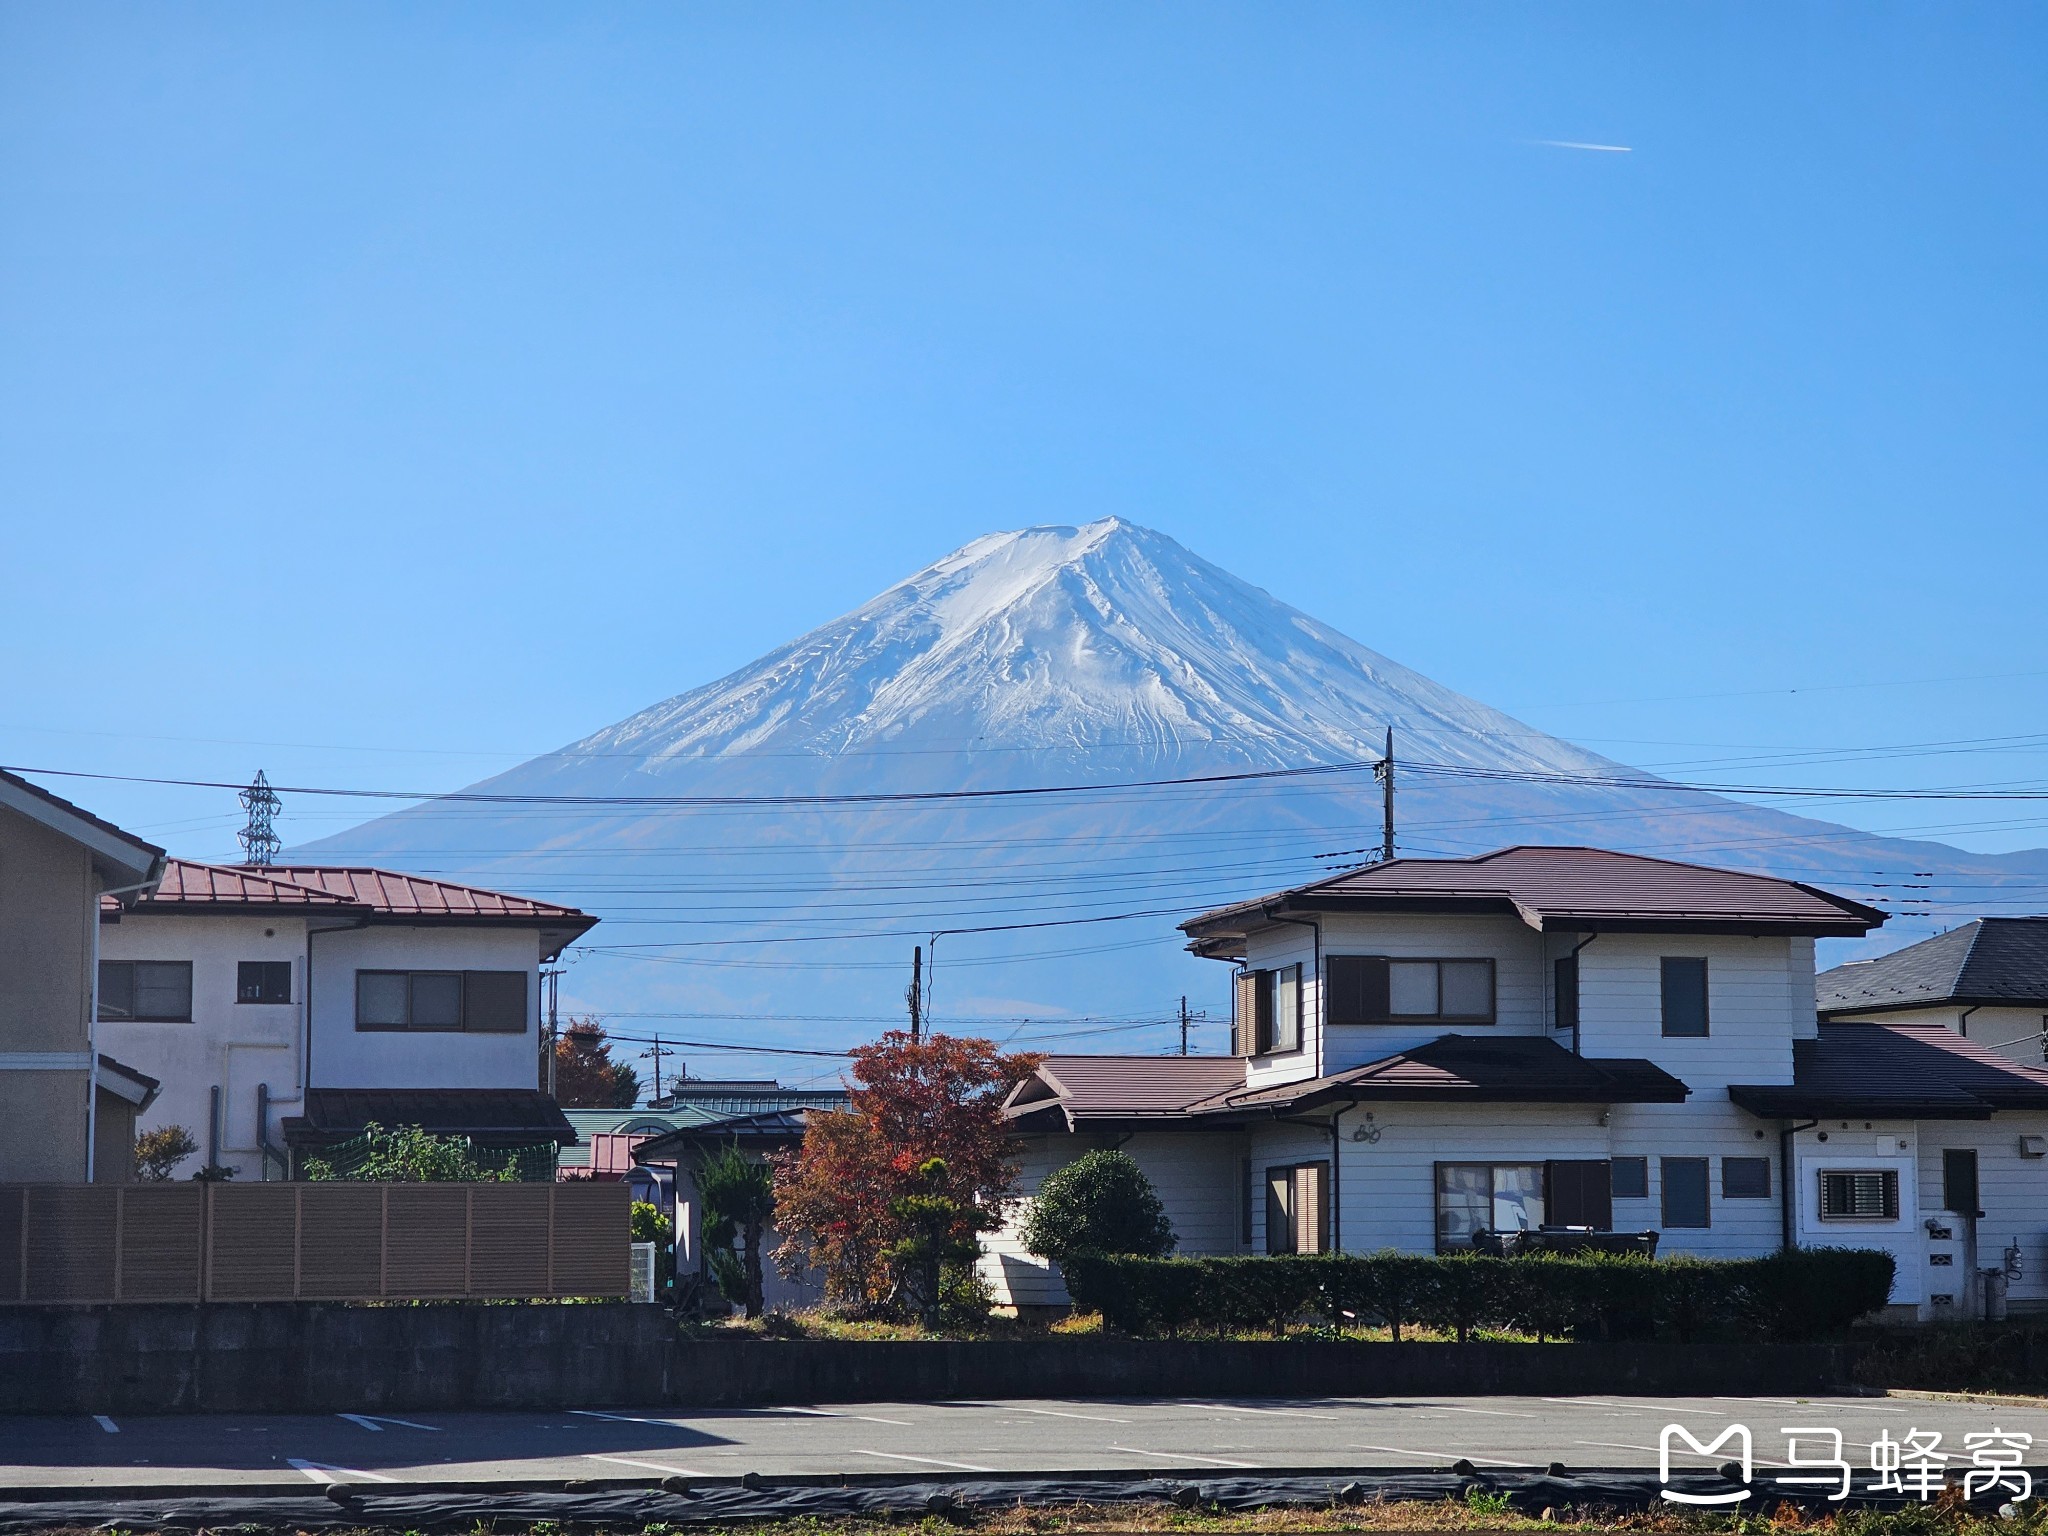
(283, 1008)
(1425, 1049)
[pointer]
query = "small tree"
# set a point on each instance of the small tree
(158, 1152)
(650, 1225)
(406, 1154)
(1099, 1203)
(856, 1189)
(939, 1241)
(586, 1077)
(739, 1201)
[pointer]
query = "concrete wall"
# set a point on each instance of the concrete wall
(49, 898)
(312, 1358)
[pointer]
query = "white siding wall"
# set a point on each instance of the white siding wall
(1862, 1144)
(345, 1057)
(1759, 990)
(1198, 1177)
(2012, 1191)
(230, 1045)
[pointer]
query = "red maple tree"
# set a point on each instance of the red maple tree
(840, 1194)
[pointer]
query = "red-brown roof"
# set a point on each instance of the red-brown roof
(1561, 889)
(1474, 1069)
(375, 893)
(1095, 1088)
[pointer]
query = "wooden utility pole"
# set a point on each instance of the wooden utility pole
(915, 996)
(1183, 1026)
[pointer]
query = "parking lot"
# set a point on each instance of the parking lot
(1154, 1437)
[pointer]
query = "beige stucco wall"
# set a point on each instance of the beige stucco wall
(48, 915)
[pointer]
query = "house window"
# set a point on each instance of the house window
(1685, 995)
(1631, 1177)
(1959, 1181)
(263, 981)
(1269, 1011)
(1859, 1195)
(146, 991)
(1745, 1178)
(1486, 1197)
(1298, 1208)
(1373, 989)
(1579, 1193)
(1565, 991)
(476, 1002)
(1685, 1191)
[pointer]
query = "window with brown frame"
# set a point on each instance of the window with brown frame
(1267, 1015)
(1486, 1197)
(467, 1002)
(1384, 989)
(1298, 1208)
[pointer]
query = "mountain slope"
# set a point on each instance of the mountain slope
(1092, 656)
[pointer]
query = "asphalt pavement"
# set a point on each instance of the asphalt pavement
(1188, 1437)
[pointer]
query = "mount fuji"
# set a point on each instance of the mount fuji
(754, 890)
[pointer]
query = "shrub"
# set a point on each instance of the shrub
(1099, 1203)
(1802, 1295)
(158, 1152)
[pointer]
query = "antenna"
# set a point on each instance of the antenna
(1383, 770)
(259, 838)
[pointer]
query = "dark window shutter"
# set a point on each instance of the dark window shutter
(1745, 1178)
(1685, 995)
(1357, 987)
(117, 989)
(1959, 1181)
(494, 1002)
(1631, 1178)
(1565, 974)
(1579, 1194)
(1685, 1191)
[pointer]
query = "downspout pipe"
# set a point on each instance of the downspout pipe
(1963, 1020)
(1314, 925)
(1576, 1001)
(1787, 1189)
(92, 1013)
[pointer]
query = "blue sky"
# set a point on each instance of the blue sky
(388, 393)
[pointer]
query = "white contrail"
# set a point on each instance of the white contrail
(1605, 149)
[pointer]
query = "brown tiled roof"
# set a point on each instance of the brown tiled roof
(1473, 1069)
(187, 884)
(1896, 1071)
(1562, 889)
(398, 895)
(1106, 1088)
(190, 887)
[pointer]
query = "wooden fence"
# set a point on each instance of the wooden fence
(311, 1241)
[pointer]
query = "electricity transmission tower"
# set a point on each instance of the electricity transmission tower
(258, 837)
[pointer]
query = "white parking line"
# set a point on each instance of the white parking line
(1281, 1413)
(650, 1466)
(375, 1422)
(106, 1423)
(869, 1418)
(1493, 1413)
(321, 1472)
(1402, 1450)
(1623, 1445)
(1055, 1413)
(930, 1461)
(625, 1418)
(1214, 1461)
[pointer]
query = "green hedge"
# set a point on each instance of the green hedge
(1807, 1294)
